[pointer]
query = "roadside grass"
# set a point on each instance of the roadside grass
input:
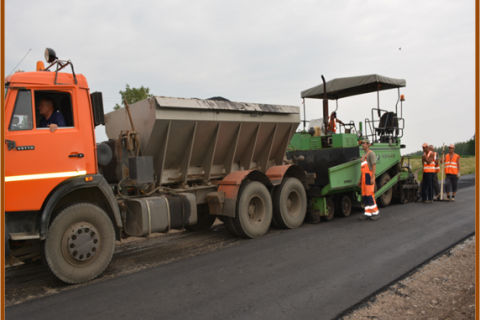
(467, 166)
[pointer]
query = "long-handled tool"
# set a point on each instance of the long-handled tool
(441, 168)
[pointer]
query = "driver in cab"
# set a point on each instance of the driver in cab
(49, 117)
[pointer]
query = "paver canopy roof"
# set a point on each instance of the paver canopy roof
(351, 86)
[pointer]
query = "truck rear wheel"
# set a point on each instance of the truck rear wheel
(386, 198)
(204, 219)
(344, 206)
(289, 204)
(254, 210)
(80, 243)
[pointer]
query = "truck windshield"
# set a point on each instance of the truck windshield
(6, 90)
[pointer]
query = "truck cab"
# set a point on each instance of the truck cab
(36, 159)
(47, 171)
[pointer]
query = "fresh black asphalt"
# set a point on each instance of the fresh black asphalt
(314, 272)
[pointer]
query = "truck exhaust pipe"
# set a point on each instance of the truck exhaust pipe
(325, 104)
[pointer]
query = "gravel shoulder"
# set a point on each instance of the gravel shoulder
(442, 289)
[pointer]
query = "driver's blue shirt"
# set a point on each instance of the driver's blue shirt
(56, 118)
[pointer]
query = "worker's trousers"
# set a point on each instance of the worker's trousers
(427, 186)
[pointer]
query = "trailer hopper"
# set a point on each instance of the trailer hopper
(194, 139)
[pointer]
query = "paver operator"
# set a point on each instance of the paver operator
(452, 171)
(367, 182)
(332, 124)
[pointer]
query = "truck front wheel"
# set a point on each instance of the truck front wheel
(80, 243)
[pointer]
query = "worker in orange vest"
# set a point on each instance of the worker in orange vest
(428, 173)
(452, 171)
(436, 158)
(367, 182)
(332, 125)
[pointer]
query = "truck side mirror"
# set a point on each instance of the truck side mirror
(97, 106)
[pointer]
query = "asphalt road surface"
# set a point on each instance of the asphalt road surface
(314, 272)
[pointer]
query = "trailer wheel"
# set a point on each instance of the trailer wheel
(344, 206)
(80, 243)
(289, 204)
(330, 208)
(385, 199)
(204, 219)
(254, 210)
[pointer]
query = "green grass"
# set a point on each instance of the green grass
(467, 166)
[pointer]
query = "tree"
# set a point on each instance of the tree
(133, 95)
(471, 146)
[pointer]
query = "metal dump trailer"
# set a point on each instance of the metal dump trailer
(183, 162)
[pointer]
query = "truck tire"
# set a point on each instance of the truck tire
(289, 204)
(344, 206)
(386, 198)
(330, 208)
(204, 219)
(253, 211)
(80, 243)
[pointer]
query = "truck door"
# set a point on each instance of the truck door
(36, 159)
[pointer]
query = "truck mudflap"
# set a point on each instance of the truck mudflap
(73, 184)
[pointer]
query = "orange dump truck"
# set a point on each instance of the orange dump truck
(169, 163)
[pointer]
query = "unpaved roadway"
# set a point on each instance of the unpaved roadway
(314, 272)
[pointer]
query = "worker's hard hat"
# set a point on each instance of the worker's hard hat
(425, 145)
(451, 146)
(366, 140)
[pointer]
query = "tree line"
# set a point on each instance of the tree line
(133, 95)
(466, 148)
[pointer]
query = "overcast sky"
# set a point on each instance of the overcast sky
(265, 52)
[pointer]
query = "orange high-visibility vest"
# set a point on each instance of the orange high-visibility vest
(437, 165)
(367, 189)
(429, 168)
(451, 165)
(332, 125)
